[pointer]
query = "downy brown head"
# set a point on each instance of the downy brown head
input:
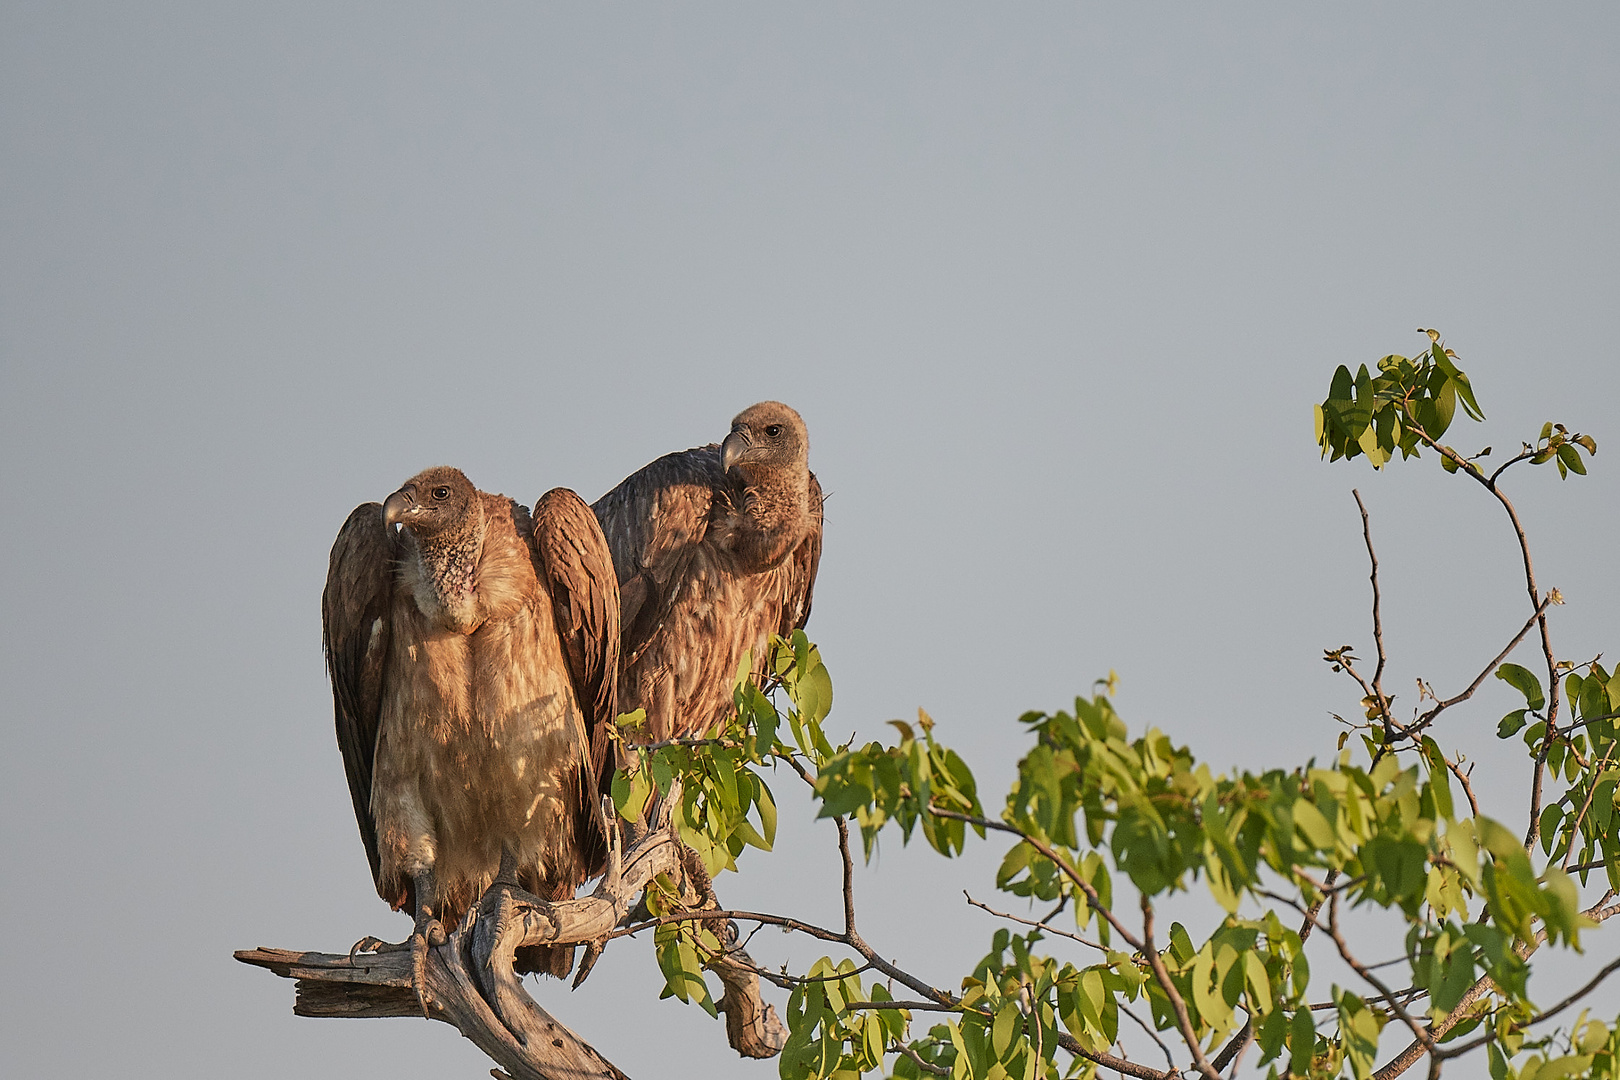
(766, 440)
(434, 502)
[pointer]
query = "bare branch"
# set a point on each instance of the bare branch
(1599, 912)
(1428, 718)
(1538, 778)
(1455, 768)
(1378, 623)
(1042, 925)
(1587, 805)
(1169, 1060)
(1183, 1019)
(1045, 849)
(504, 1022)
(1610, 969)
(1367, 976)
(763, 918)
(925, 1066)
(849, 876)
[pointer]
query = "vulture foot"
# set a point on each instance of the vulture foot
(429, 933)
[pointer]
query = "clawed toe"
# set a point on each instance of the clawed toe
(429, 934)
(369, 944)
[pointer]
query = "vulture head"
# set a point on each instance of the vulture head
(432, 502)
(768, 438)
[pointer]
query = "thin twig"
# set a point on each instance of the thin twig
(1378, 625)
(1428, 718)
(1183, 1018)
(1154, 960)
(1599, 912)
(1237, 1042)
(1037, 925)
(1587, 805)
(849, 876)
(1613, 966)
(1169, 1060)
(1538, 777)
(1366, 974)
(792, 925)
(917, 1059)
(1455, 768)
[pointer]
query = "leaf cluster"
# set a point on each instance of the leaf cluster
(1106, 827)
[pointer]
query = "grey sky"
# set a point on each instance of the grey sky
(1053, 286)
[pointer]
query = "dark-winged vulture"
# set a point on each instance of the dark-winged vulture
(715, 549)
(473, 654)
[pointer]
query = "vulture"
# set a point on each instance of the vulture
(715, 550)
(473, 652)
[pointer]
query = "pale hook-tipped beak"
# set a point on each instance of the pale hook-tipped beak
(397, 506)
(733, 449)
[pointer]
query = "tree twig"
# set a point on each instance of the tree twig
(1162, 976)
(1429, 717)
(1378, 624)
(1042, 925)
(1408, 1057)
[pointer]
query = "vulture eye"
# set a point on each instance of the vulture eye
(441, 493)
(774, 430)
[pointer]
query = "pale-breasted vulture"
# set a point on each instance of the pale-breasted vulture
(473, 653)
(716, 550)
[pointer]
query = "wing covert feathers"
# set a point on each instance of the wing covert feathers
(355, 632)
(572, 556)
(800, 580)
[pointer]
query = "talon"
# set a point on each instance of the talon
(419, 948)
(367, 944)
(429, 935)
(593, 950)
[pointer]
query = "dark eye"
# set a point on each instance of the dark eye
(774, 430)
(441, 493)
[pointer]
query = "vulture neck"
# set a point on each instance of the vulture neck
(775, 512)
(445, 576)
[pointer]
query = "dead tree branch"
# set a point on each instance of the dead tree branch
(469, 982)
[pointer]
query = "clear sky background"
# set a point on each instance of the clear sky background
(1054, 287)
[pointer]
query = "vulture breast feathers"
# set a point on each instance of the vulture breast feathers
(716, 550)
(473, 653)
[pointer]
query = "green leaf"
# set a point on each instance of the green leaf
(1439, 777)
(1571, 459)
(1594, 699)
(1001, 1034)
(1258, 982)
(1181, 946)
(765, 804)
(1313, 826)
(1525, 682)
(1301, 1043)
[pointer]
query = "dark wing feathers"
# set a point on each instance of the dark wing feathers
(651, 521)
(800, 581)
(572, 557)
(355, 633)
(660, 509)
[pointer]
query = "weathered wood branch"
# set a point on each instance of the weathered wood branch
(469, 982)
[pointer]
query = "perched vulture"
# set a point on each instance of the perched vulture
(716, 550)
(473, 653)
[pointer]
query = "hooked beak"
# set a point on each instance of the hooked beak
(733, 449)
(397, 506)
